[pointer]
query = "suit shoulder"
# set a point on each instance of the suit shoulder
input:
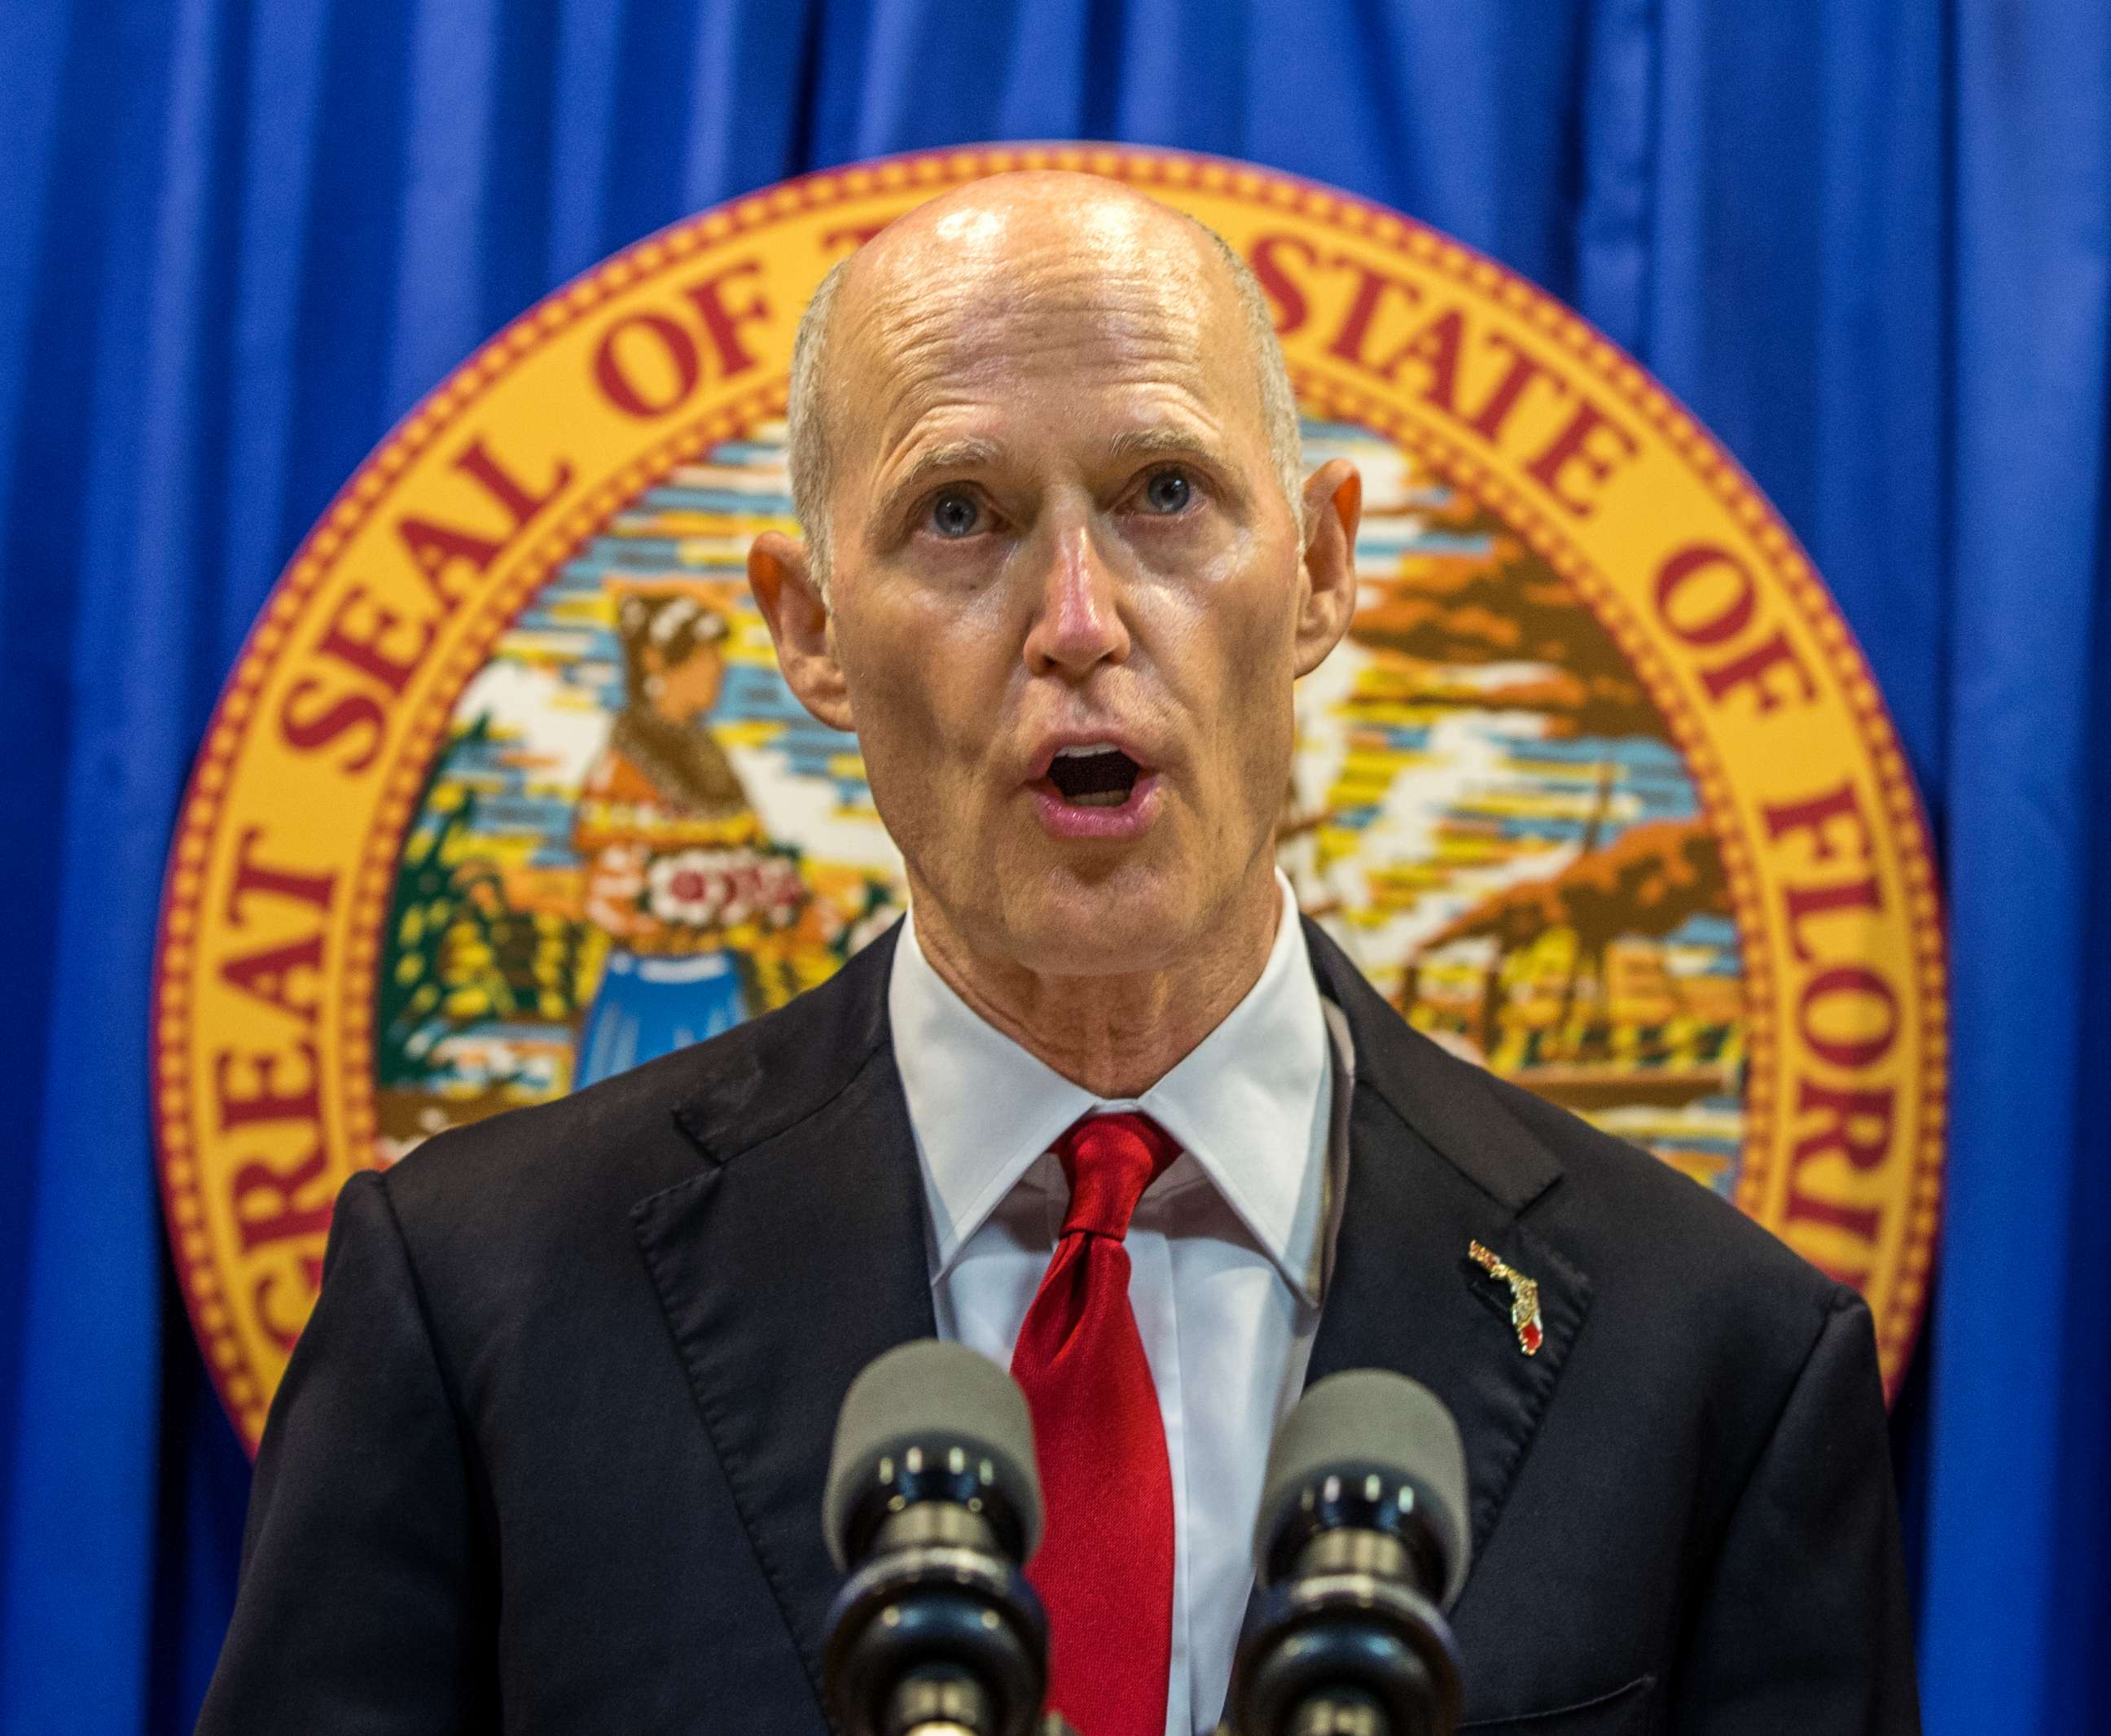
(1676, 1269)
(1608, 1206)
(1615, 1189)
(622, 1139)
(609, 1136)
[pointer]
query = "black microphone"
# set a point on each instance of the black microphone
(1362, 1544)
(933, 1507)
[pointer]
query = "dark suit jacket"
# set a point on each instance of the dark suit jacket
(549, 1456)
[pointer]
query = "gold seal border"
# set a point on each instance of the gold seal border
(929, 172)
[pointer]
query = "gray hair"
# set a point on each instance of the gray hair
(810, 431)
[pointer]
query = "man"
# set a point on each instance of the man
(549, 1457)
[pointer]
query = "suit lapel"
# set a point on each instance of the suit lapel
(1437, 1163)
(796, 1254)
(794, 1257)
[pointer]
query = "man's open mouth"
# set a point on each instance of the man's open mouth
(1098, 775)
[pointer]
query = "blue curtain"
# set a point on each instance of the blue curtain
(1869, 243)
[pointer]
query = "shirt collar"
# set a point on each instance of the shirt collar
(1250, 1104)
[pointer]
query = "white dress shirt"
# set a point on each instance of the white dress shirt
(1229, 1248)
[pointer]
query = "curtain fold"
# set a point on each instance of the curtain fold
(1870, 244)
(2020, 1431)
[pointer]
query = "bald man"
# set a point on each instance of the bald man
(549, 1456)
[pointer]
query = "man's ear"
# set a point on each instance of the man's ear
(781, 576)
(1333, 507)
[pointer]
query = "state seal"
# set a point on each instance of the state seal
(504, 794)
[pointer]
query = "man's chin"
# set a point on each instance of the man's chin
(1063, 923)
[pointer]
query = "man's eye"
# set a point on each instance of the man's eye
(1168, 491)
(956, 513)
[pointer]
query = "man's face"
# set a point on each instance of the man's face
(1068, 598)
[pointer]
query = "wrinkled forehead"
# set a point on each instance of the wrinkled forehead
(985, 306)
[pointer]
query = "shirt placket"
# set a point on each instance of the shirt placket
(1153, 1300)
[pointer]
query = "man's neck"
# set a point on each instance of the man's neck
(1116, 1036)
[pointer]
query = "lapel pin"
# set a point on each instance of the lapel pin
(1524, 1297)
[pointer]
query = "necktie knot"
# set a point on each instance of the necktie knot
(1108, 1160)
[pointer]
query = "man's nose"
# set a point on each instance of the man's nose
(1078, 622)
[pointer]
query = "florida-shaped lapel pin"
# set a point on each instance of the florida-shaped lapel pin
(1524, 1296)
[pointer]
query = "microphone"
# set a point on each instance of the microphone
(1362, 1543)
(933, 1507)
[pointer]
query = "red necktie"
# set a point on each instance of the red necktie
(1104, 1567)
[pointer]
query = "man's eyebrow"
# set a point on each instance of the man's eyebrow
(954, 455)
(1164, 442)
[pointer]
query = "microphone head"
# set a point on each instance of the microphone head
(1363, 1423)
(938, 1411)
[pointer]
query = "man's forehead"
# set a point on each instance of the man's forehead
(992, 221)
(1007, 213)
(1102, 290)
(977, 275)
(1077, 316)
